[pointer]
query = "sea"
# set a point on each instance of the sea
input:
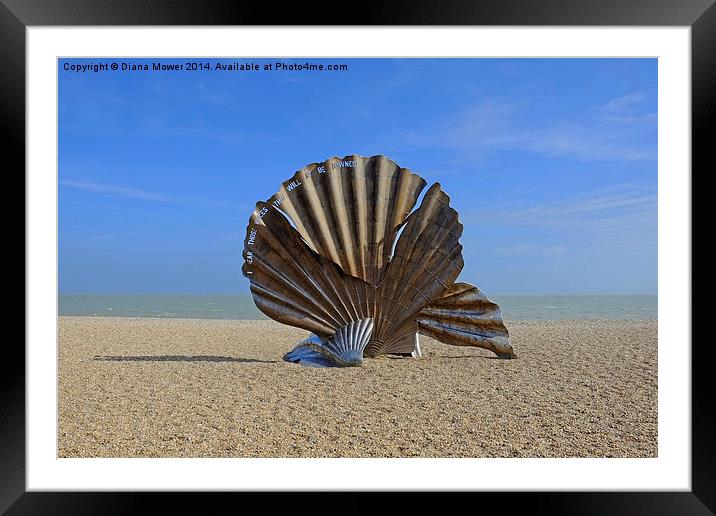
(242, 307)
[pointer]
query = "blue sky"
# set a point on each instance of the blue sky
(551, 163)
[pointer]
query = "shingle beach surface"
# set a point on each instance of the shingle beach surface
(133, 387)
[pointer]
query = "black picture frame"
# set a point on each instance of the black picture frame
(17, 15)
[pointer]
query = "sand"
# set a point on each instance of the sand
(131, 387)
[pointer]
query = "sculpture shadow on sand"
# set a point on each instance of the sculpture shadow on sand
(179, 358)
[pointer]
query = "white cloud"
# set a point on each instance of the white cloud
(524, 248)
(114, 190)
(624, 209)
(613, 131)
(600, 206)
(144, 195)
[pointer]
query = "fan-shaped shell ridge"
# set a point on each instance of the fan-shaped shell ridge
(427, 260)
(465, 316)
(344, 348)
(293, 284)
(348, 209)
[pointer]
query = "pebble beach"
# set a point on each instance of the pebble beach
(143, 387)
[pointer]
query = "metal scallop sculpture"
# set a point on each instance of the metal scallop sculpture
(341, 251)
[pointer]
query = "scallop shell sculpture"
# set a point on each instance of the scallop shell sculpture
(341, 251)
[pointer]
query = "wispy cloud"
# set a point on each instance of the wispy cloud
(621, 129)
(144, 195)
(599, 207)
(621, 208)
(114, 190)
(627, 109)
(525, 248)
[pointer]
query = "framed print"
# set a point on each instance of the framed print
(211, 209)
